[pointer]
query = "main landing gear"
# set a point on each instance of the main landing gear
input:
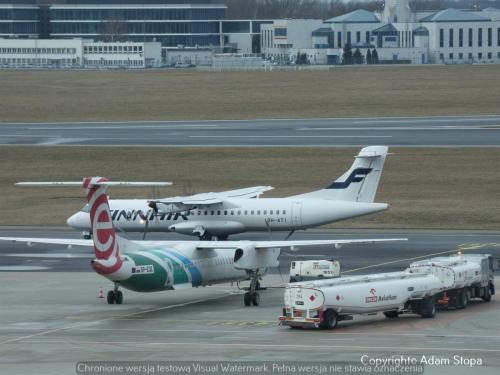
(252, 297)
(115, 296)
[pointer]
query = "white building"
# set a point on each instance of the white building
(122, 54)
(449, 36)
(77, 53)
(41, 53)
(283, 39)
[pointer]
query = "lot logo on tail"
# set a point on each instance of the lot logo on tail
(356, 175)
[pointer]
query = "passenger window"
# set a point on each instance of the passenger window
(199, 213)
(211, 212)
(277, 212)
(225, 212)
(283, 212)
(206, 212)
(218, 212)
(258, 212)
(246, 212)
(232, 212)
(271, 212)
(251, 212)
(239, 212)
(265, 212)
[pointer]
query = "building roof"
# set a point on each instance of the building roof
(357, 16)
(322, 31)
(388, 28)
(454, 15)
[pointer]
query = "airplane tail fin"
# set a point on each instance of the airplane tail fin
(106, 248)
(360, 182)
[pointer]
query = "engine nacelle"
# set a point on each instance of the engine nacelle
(246, 257)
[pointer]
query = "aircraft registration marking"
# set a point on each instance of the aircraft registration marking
(145, 269)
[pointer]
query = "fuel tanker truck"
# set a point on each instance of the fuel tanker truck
(424, 285)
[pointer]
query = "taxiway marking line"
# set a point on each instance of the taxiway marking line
(138, 122)
(402, 128)
(290, 136)
(266, 346)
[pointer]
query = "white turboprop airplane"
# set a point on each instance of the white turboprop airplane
(219, 215)
(149, 266)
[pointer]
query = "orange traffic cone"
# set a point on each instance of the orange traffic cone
(101, 293)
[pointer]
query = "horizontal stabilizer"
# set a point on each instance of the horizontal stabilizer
(101, 183)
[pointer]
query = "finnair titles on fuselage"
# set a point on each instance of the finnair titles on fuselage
(225, 213)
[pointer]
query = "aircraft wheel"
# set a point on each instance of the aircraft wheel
(118, 297)
(256, 299)
(247, 299)
(111, 297)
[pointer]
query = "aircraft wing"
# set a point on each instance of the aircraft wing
(218, 197)
(52, 241)
(290, 243)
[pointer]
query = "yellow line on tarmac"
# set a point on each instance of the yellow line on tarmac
(465, 246)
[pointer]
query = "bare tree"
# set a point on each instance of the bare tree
(113, 30)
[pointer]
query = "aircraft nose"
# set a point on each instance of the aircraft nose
(78, 221)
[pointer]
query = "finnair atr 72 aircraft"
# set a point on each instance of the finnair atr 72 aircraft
(147, 266)
(222, 214)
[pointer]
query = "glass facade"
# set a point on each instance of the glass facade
(172, 25)
(16, 14)
(19, 21)
(236, 27)
(134, 14)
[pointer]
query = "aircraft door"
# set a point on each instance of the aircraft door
(297, 214)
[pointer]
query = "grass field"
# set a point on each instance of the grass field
(38, 96)
(427, 188)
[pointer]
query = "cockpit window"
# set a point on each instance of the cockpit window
(85, 208)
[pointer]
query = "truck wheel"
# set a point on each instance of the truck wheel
(486, 294)
(428, 308)
(292, 280)
(462, 299)
(330, 320)
(391, 314)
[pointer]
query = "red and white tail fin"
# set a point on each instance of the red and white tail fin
(106, 247)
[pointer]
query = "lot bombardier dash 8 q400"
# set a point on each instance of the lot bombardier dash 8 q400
(221, 214)
(148, 266)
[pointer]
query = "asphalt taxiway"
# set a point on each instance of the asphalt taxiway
(440, 131)
(50, 321)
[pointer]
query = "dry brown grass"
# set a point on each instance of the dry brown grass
(427, 188)
(37, 96)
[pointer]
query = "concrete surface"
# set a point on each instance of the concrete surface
(443, 131)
